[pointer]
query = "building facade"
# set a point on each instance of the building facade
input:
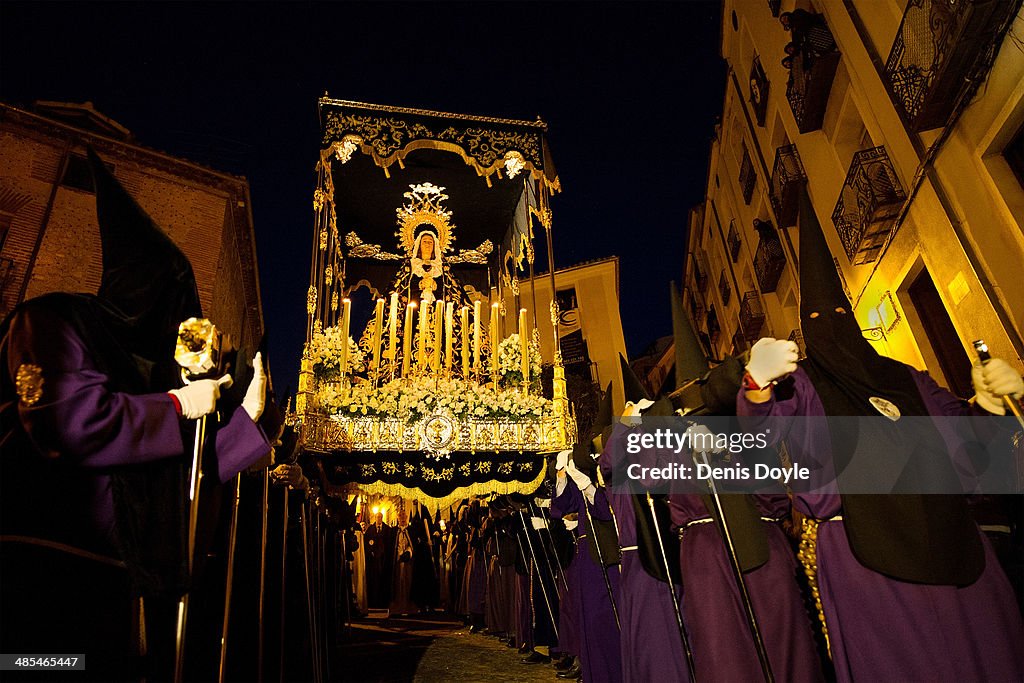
(589, 327)
(49, 235)
(904, 120)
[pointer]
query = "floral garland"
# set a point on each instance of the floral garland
(510, 362)
(325, 351)
(412, 399)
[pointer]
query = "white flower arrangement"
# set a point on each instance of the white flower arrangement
(325, 350)
(410, 400)
(510, 361)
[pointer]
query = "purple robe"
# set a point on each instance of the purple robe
(886, 629)
(723, 647)
(568, 611)
(79, 420)
(600, 651)
(651, 645)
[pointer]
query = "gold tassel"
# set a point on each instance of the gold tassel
(808, 556)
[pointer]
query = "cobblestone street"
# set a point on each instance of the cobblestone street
(434, 648)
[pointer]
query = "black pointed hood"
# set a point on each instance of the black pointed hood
(822, 292)
(691, 362)
(846, 370)
(631, 385)
(147, 280)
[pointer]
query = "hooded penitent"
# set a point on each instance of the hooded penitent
(583, 458)
(717, 397)
(891, 534)
(147, 288)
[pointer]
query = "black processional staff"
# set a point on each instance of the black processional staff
(560, 574)
(683, 636)
(284, 576)
(540, 577)
(737, 570)
(600, 561)
(264, 520)
(309, 587)
(200, 351)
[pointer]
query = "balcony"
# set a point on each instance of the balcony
(788, 181)
(758, 91)
(734, 242)
(739, 342)
(714, 329)
(724, 290)
(748, 176)
(935, 53)
(769, 259)
(700, 271)
(868, 205)
(812, 72)
(696, 308)
(798, 337)
(751, 315)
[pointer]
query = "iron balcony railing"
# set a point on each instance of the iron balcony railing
(788, 180)
(734, 241)
(700, 270)
(769, 258)
(758, 91)
(724, 290)
(798, 337)
(812, 72)
(936, 54)
(714, 328)
(739, 342)
(748, 176)
(868, 205)
(696, 309)
(751, 315)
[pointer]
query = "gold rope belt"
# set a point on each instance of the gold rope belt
(707, 520)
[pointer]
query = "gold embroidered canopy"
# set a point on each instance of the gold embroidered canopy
(417, 378)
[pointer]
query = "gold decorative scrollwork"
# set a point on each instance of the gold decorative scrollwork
(388, 136)
(389, 468)
(478, 255)
(357, 248)
(311, 300)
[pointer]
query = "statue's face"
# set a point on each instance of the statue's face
(427, 247)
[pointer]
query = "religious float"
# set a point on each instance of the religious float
(422, 370)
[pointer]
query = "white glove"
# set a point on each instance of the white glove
(571, 524)
(631, 412)
(992, 381)
(537, 522)
(255, 395)
(702, 439)
(581, 480)
(561, 459)
(200, 397)
(772, 359)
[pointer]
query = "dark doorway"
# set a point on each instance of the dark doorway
(942, 335)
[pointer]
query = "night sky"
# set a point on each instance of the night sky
(630, 92)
